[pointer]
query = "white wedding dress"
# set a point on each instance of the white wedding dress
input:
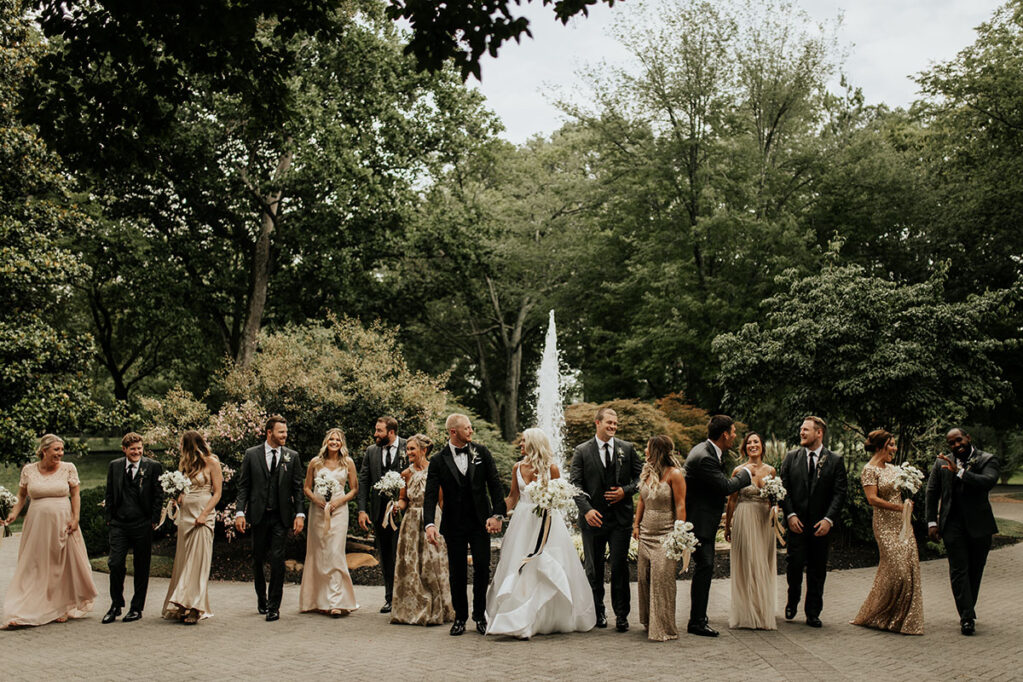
(551, 593)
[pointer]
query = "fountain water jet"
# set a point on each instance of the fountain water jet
(550, 415)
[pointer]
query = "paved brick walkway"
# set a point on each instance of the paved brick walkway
(238, 644)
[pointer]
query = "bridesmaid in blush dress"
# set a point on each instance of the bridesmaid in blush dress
(753, 559)
(422, 592)
(662, 501)
(326, 583)
(188, 594)
(53, 578)
(895, 601)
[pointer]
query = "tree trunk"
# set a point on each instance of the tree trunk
(513, 382)
(259, 275)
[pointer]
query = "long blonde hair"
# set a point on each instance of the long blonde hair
(539, 455)
(661, 449)
(194, 453)
(45, 442)
(342, 455)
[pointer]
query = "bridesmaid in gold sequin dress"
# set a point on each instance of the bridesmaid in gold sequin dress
(188, 598)
(895, 601)
(662, 501)
(422, 593)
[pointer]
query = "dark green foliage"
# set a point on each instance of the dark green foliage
(92, 521)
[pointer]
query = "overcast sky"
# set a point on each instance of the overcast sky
(886, 41)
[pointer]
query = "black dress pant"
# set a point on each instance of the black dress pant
(269, 535)
(595, 544)
(459, 543)
(387, 548)
(806, 551)
(139, 539)
(699, 588)
(966, 559)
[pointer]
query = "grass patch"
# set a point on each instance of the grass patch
(1017, 478)
(92, 470)
(1010, 529)
(160, 567)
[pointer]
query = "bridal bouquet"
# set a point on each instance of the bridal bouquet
(326, 486)
(680, 542)
(908, 480)
(554, 495)
(174, 484)
(773, 490)
(7, 502)
(390, 486)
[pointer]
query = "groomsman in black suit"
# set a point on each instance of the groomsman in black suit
(270, 501)
(959, 512)
(133, 500)
(473, 508)
(707, 489)
(816, 483)
(386, 454)
(607, 470)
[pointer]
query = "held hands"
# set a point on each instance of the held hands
(795, 525)
(822, 528)
(299, 524)
(432, 535)
(493, 525)
(594, 518)
(364, 521)
(615, 494)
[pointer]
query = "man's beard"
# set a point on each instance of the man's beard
(381, 441)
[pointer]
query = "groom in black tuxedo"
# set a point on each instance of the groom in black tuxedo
(473, 508)
(132, 505)
(270, 501)
(958, 512)
(707, 488)
(607, 470)
(815, 480)
(386, 454)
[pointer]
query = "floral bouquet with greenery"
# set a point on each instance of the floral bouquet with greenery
(680, 542)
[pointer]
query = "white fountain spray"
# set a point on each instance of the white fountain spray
(550, 415)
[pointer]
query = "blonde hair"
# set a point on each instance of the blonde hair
(539, 455)
(342, 456)
(194, 453)
(661, 449)
(45, 442)
(453, 421)
(424, 442)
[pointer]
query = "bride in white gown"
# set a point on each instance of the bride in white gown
(550, 593)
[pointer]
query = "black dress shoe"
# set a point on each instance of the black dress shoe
(968, 626)
(457, 628)
(790, 612)
(701, 629)
(481, 626)
(814, 621)
(111, 615)
(262, 609)
(622, 624)
(386, 608)
(132, 616)
(601, 620)
(272, 614)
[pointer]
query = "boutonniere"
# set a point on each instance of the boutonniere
(287, 458)
(971, 461)
(142, 474)
(475, 455)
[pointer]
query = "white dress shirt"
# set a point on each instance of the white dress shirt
(461, 460)
(268, 452)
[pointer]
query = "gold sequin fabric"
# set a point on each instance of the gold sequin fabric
(895, 601)
(656, 572)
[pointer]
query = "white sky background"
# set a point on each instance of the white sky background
(886, 42)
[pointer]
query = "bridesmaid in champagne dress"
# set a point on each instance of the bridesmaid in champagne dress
(895, 601)
(753, 559)
(662, 501)
(53, 578)
(326, 583)
(422, 595)
(188, 593)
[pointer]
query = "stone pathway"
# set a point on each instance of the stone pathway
(237, 644)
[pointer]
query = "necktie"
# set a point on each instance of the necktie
(607, 455)
(273, 461)
(388, 458)
(813, 467)
(131, 472)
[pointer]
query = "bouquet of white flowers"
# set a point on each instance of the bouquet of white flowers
(325, 485)
(908, 480)
(7, 502)
(390, 486)
(553, 495)
(174, 484)
(773, 490)
(680, 542)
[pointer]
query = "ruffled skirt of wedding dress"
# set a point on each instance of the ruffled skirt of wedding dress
(550, 594)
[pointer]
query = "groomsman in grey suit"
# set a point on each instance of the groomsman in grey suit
(386, 454)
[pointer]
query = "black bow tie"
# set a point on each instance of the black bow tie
(462, 451)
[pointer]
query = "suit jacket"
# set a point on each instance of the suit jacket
(708, 487)
(588, 475)
(372, 470)
(148, 480)
(487, 493)
(979, 478)
(829, 489)
(286, 485)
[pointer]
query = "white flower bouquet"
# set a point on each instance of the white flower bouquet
(7, 502)
(174, 484)
(554, 495)
(390, 486)
(326, 486)
(773, 490)
(680, 541)
(908, 479)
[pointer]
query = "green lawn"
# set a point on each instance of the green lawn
(92, 470)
